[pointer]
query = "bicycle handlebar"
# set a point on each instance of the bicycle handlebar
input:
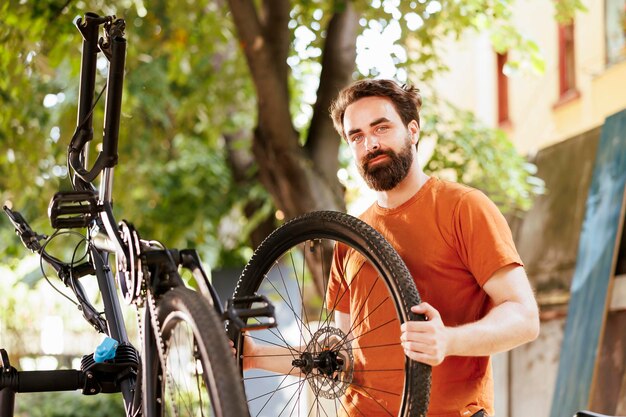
(113, 45)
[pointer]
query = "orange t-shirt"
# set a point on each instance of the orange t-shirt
(452, 239)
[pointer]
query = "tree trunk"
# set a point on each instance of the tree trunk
(241, 162)
(299, 178)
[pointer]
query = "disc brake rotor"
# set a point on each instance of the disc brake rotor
(332, 369)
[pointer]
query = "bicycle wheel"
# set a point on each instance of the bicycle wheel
(328, 369)
(201, 377)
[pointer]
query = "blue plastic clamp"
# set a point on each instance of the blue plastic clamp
(106, 350)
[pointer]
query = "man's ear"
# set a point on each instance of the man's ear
(414, 131)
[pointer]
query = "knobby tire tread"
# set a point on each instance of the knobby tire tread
(215, 346)
(353, 232)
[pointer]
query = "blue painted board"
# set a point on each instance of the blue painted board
(594, 269)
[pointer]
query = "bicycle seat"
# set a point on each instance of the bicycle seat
(591, 414)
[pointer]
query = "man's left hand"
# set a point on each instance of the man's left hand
(425, 341)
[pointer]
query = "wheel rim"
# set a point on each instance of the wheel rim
(331, 378)
(185, 384)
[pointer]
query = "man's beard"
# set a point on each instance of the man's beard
(387, 174)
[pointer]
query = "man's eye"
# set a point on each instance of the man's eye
(383, 128)
(356, 138)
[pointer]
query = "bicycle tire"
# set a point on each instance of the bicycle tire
(357, 235)
(215, 375)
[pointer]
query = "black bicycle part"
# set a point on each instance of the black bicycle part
(32, 241)
(239, 311)
(177, 306)
(88, 27)
(130, 269)
(41, 381)
(69, 274)
(7, 392)
(116, 327)
(165, 263)
(116, 54)
(73, 209)
(189, 259)
(29, 238)
(279, 258)
(92, 378)
(106, 377)
(190, 327)
(139, 262)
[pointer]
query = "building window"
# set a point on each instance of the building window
(615, 27)
(567, 62)
(503, 90)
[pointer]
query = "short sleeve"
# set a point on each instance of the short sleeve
(483, 238)
(338, 290)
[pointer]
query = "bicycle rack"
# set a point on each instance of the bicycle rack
(7, 395)
(13, 381)
(93, 378)
(105, 377)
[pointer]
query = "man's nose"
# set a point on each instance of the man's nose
(371, 143)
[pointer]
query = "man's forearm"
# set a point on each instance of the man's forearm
(272, 358)
(505, 327)
(512, 321)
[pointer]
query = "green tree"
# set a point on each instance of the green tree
(297, 164)
(225, 110)
(185, 90)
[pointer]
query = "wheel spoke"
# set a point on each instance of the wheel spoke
(338, 369)
(196, 379)
(290, 304)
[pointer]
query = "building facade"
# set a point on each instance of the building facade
(584, 79)
(554, 118)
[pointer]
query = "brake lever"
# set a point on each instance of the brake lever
(29, 238)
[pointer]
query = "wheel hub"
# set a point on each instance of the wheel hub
(327, 362)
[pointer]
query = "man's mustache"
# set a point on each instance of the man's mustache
(367, 158)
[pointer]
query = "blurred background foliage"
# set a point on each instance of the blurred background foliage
(191, 116)
(68, 404)
(185, 87)
(188, 88)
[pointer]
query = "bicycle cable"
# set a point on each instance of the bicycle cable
(79, 294)
(56, 234)
(70, 169)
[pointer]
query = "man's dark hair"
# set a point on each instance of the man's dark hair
(406, 99)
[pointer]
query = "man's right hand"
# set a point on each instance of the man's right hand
(248, 351)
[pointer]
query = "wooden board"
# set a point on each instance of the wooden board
(618, 294)
(595, 266)
(606, 391)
